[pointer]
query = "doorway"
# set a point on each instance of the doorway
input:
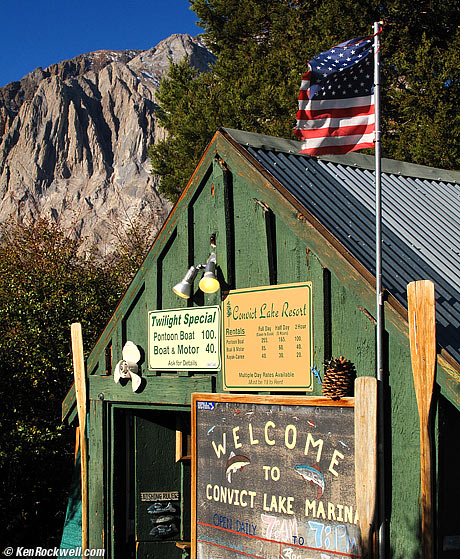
(149, 482)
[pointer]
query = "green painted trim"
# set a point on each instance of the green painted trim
(69, 406)
(161, 407)
(110, 457)
(170, 389)
(96, 461)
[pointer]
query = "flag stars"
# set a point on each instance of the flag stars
(331, 83)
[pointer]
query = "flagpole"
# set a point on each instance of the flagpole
(379, 294)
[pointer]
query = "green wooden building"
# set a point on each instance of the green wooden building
(274, 217)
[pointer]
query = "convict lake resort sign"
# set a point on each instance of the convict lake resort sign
(267, 338)
(184, 339)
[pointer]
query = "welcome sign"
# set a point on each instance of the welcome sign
(273, 477)
(267, 338)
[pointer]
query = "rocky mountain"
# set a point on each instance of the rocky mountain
(74, 140)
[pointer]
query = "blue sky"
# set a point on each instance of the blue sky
(39, 33)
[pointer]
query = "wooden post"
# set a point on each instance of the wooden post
(422, 335)
(80, 391)
(366, 458)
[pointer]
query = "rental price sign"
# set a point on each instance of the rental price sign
(267, 338)
(184, 339)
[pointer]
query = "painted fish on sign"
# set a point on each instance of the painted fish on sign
(288, 484)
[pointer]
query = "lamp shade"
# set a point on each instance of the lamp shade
(209, 283)
(184, 288)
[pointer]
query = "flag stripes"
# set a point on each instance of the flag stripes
(336, 103)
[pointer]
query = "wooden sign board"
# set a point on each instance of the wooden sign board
(184, 339)
(273, 477)
(267, 338)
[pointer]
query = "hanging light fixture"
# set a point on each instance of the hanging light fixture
(208, 283)
(184, 288)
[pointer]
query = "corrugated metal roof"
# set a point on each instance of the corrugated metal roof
(420, 214)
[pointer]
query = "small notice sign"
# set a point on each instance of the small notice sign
(184, 339)
(149, 496)
(267, 338)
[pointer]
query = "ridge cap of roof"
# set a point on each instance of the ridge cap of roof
(389, 166)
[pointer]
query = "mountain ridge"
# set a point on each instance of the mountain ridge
(74, 140)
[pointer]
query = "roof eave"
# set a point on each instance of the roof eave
(267, 142)
(391, 166)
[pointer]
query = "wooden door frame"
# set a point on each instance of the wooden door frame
(101, 465)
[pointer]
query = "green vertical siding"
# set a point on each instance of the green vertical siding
(295, 263)
(133, 322)
(96, 459)
(251, 254)
(261, 238)
(352, 329)
(402, 445)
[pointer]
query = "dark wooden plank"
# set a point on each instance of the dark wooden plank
(165, 389)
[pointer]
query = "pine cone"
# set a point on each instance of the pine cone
(339, 377)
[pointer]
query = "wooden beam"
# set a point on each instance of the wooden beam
(68, 406)
(80, 391)
(366, 458)
(422, 335)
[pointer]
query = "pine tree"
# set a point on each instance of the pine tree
(262, 49)
(45, 285)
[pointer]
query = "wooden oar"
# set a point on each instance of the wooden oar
(422, 334)
(80, 392)
(366, 458)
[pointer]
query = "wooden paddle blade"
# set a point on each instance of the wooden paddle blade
(80, 393)
(79, 372)
(422, 335)
(366, 457)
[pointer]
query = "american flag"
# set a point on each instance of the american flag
(336, 101)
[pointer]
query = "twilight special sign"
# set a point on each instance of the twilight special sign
(184, 339)
(273, 477)
(267, 338)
